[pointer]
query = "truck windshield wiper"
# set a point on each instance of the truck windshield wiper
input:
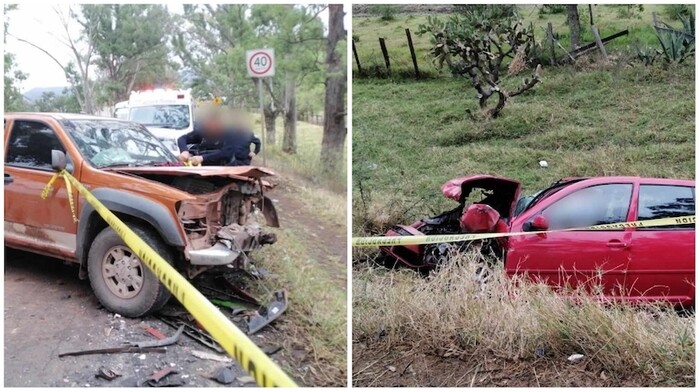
(125, 164)
(117, 164)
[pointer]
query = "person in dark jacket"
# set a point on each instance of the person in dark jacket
(215, 144)
(242, 156)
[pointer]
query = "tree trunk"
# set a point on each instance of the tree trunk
(334, 129)
(270, 124)
(574, 25)
(289, 144)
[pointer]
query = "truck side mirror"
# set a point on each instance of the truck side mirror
(539, 223)
(58, 160)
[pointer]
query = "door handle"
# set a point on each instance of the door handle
(617, 244)
(8, 178)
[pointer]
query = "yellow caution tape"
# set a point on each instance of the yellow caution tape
(69, 190)
(439, 239)
(236, 343)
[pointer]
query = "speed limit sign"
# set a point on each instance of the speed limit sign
(261, 63)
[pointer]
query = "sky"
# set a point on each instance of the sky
(41, 25)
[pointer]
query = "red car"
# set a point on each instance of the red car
(634, 264)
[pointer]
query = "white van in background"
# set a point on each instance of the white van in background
(168, 114)
(121, 110)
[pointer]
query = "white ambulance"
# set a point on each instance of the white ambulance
(168, 114)
(121, 110)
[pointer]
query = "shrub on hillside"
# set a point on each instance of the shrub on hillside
(678, 11)
(476, 43)
(551, 9)
(383, 11)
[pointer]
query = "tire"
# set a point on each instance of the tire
(121, 282)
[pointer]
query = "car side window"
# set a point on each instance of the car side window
(30, 145)
(595, 205)
(666, 201)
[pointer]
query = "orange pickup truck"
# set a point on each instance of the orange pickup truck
(197, 218)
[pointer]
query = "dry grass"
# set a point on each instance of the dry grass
(449, 315)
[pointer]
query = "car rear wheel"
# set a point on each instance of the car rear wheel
(120, 280)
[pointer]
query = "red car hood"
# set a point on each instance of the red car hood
(505, 190)
(237, 172)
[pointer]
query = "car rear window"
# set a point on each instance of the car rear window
(666, 201)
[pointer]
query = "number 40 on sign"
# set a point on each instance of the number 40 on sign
(260, 63)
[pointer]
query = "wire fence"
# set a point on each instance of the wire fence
(384, 58)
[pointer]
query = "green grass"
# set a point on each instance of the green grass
(587, 119)
(306, 162)
(609, 19)
(316, 319)
(368, 30)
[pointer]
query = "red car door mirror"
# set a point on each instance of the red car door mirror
(539, 223)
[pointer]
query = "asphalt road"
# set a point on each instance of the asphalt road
(48, 310)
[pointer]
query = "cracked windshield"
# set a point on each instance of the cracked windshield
(116, 143)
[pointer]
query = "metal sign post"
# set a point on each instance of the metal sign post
(261, 64)
(262, 122)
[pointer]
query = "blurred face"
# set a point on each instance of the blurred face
(237, 121)
(212, 125)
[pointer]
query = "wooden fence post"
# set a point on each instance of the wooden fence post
(385, 53)
(601, 47)
(357, 58)
(413, 53)
(550, 41)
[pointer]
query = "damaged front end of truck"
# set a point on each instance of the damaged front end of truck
(223, 224)
(218, 226)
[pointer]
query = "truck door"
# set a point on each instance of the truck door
(32, 223)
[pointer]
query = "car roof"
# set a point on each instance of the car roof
(633, 179)
(57, 116)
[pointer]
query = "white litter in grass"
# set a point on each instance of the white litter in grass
(575, 357)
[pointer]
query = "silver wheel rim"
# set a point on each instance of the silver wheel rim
(122, 272)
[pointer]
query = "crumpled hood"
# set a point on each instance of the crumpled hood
(237, 172)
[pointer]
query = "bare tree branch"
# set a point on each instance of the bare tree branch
(59, 63)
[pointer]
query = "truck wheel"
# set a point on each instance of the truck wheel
(120, 280)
